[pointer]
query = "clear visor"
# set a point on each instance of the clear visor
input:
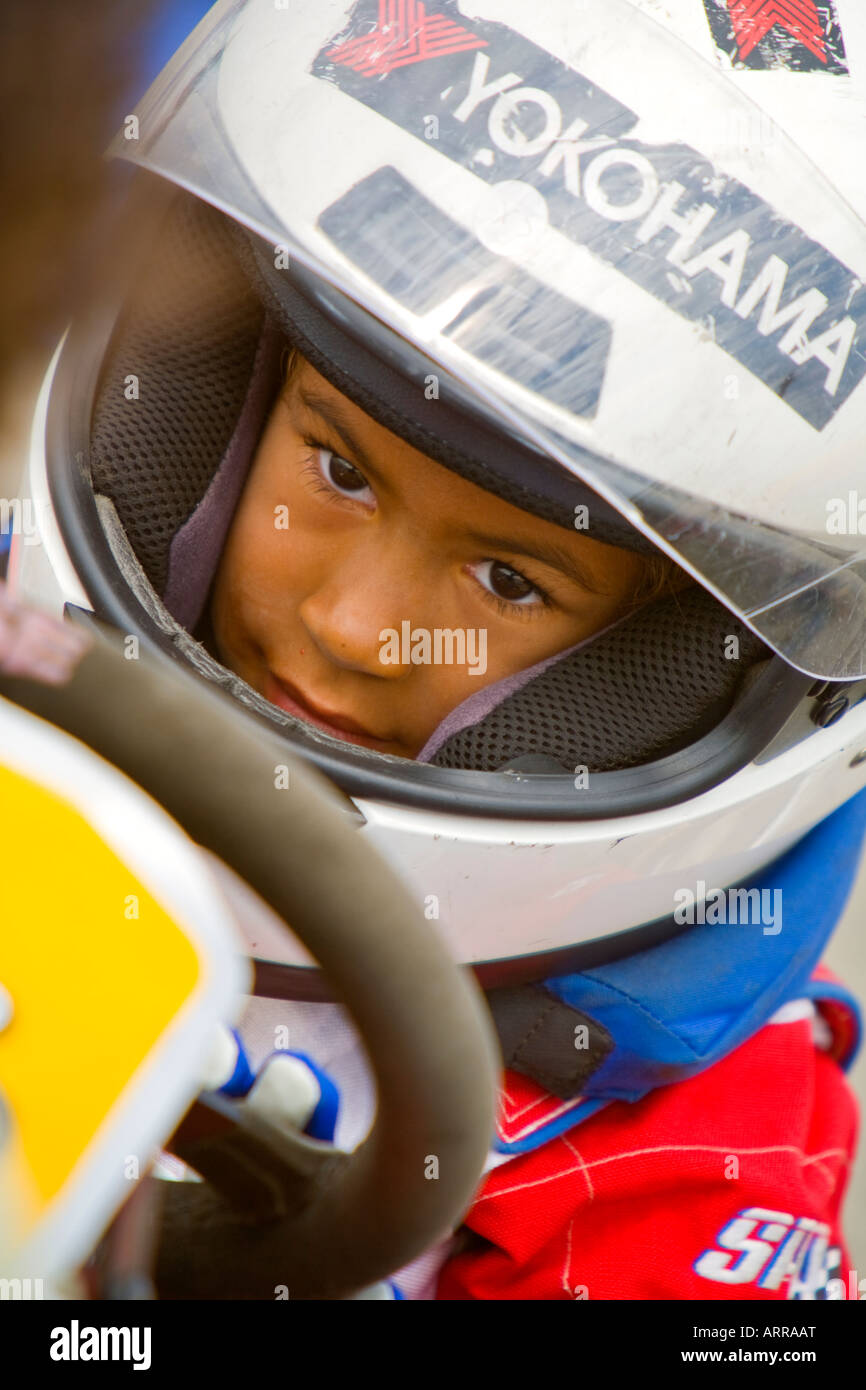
(714, 396)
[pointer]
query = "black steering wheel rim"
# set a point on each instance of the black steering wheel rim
(332, 1223)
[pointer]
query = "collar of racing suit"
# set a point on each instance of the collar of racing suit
(619, 1030)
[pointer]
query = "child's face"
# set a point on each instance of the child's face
(380, 535)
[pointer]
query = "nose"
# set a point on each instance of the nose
(369, 588)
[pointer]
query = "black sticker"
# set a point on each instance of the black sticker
(800, 35)
(506, 318)
(696, 239)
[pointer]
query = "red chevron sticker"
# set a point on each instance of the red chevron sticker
(752, 20)
(404, 34)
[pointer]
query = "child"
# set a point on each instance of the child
(727, 1184)
(380, 535)
(525, 194)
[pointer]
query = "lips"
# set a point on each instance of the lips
(288, 697)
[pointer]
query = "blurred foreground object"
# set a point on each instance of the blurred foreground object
(65, 72)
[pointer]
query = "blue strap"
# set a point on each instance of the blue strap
(323, 1121)
(242, 1078)
(678, 1007)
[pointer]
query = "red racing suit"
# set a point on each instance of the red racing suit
(727, 1185)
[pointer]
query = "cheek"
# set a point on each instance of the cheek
(266, 522)
(510, 647)
(494, 650)
(251, 565)
(272, 555)
(250, 556)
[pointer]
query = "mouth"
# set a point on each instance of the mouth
(287, 696)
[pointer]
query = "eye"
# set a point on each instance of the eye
(342, 476)
(508, 585)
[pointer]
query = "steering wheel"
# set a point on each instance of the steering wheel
(277, 1209)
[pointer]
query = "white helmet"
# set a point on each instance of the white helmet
(642, 302)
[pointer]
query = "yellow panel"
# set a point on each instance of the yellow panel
(93, 987)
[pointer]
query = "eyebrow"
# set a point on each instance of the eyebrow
(331, 412)
(547, 552)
